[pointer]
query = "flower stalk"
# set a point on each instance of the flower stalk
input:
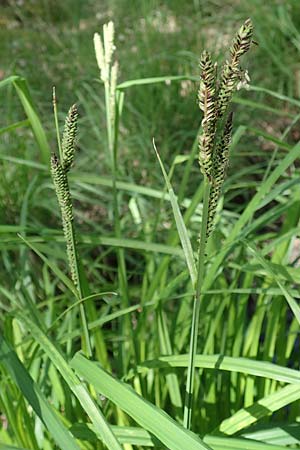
(60, 166)
(214, 144)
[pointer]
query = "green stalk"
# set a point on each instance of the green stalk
(112, 144)
(86, 336)
(56, 123)
(187, 415)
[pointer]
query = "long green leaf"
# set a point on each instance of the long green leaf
(153, 419)
(220, 443)
(35, 398)
(68, 283)
(248, 213)
(79, 390)
(20, 84)
(277, 434)
(220, 362)
(264, 407)
(154, 80)
(291, 301)
(140, 437)
(182, 231)
(11, 447)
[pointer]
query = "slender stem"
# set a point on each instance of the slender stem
(56, 123)
(187, 415)
(87, 342)
(112, 144)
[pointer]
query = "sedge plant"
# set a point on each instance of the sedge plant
(108, 67)
(214, 143)
(60, 166)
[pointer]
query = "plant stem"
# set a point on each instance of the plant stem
(86, 336)
(187, 416)
(56, 122)
(112, 134)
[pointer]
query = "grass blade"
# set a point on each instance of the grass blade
(220, 362)
(264, 407)
(153, 419)
(291, 301)
(182, 231)
(138, 436)
(35, 398)
(79, 390)
(220, 443)
(20, 84)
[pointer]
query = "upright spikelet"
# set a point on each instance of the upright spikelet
(69, 137)
(108, 35)
(104, 50)
(206, 96)
(61, 185)
(59, 171)
(112, 92)
(231, 69)
(99, 52)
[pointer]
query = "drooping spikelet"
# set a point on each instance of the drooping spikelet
(69, 137)
(242, 40)
(221, 153)
(231, 69)
(206, 98)
(220, 164)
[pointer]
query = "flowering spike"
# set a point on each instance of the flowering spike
(231, 72)
(206, 98)
(220, 164)
(62, 190)
(99, 52)
(69, 137)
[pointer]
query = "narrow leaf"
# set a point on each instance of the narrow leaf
(153, 419)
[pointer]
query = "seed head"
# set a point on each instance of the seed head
(69, 137)
(206, 96)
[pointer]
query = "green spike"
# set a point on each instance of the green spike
(69, 137)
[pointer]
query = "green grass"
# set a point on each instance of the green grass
(135, 232)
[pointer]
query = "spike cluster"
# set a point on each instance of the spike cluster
(213, 101)
(59, 170)
(231, 72)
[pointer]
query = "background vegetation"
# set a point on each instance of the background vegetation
(142, 310)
